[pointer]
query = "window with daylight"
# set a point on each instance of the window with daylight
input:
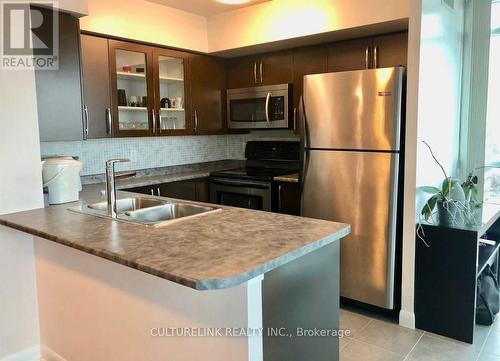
(492, 159)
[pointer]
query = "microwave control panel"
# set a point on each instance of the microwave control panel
(277, 108)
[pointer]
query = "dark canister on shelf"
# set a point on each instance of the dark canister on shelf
(165, 103)
(122, 97)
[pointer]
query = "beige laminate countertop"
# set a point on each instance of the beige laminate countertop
(211, 251)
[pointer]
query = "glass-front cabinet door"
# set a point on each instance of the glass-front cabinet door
(132, 89)
(171, 111)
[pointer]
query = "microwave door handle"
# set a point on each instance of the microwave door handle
(268, 98)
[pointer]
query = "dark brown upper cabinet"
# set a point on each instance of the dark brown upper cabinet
(242, 72)
(350, 55)
(306, 61)
(132, 89)
(143, 90)
(367, 53)
(96, 86)
(171, 112)
(265, 69)
(208, 84)
(59, 92)
(276, 68)
(139, 90)
(391, 50)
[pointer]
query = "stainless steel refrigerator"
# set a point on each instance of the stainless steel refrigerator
(351, 125)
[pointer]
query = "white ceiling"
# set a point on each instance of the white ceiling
(204, 7)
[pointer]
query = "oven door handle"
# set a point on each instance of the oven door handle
(268, 98)
(239, 183)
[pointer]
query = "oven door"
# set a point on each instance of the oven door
(241, 193)
(259, 108)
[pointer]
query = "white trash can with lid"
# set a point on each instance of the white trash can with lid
(61, 175)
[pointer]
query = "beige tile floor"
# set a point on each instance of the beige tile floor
(379, 339)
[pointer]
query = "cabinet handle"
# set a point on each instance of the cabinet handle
(295, 118)
(261, 72)
(153, 113)
(152, 192)
(86, 121)
(195, 121)
(158, 191)
(109, 121)
(375, 57)
(255, 72)
(367, 57)
(279, 198)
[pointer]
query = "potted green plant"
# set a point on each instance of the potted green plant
(454, 201)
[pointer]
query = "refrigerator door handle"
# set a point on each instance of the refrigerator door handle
(367, 56)
(302, 179)
(303, 152)
(304, 133)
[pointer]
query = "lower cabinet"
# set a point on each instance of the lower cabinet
(190, 190)
(286, 198)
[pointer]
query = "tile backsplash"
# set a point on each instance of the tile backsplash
(155, 152)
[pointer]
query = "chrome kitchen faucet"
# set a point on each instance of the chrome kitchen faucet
(111, 183)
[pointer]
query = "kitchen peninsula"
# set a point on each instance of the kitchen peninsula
(228, 269)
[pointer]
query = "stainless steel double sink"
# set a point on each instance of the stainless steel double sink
(146, 211)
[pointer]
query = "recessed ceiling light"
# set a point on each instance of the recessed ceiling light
(233, 2)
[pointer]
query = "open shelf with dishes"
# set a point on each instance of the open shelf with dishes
(171, 90)
(132, 109)
(170, 79)
(132, 88)
(172, 109)
(130, 75)
(150, 90)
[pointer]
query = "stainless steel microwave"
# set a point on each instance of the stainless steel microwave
(261, 107)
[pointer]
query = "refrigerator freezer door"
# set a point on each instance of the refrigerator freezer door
(354, 110)
(358, 188)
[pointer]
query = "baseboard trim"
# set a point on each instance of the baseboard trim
(29, 354)
(407, 319)
(49, 355)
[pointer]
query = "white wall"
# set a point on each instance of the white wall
(284, 19)
(433, 111)
(407, 316)
(95, 309)
(20, 189)
(146, 21)
(77, 7)
(271, 21)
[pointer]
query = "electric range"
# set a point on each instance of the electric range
(251, 186)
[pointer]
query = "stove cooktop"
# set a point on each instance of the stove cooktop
(253, 173)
